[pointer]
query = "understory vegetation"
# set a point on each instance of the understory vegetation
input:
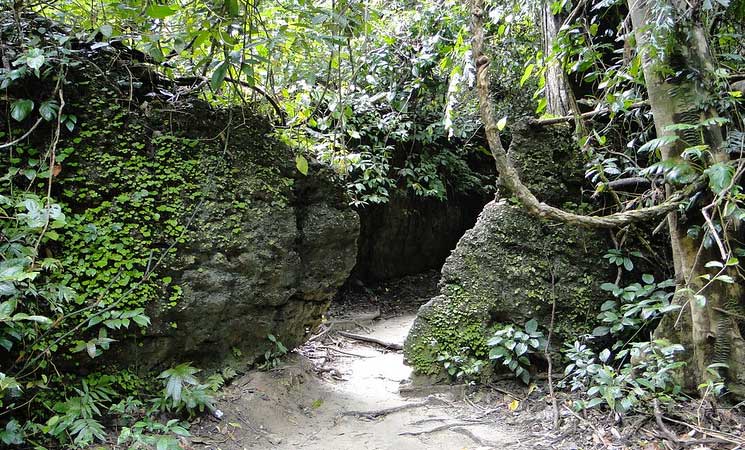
(392, 98)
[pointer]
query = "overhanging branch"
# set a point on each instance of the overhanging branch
(508, 174)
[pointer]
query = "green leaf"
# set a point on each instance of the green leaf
(725, 279)
(521, 348)
(627, 264)
(680, 127)
(604, 355)
(218, 76)
(13, 433)
(40, 319)
(20, 109)
(699, 300)
(35, 58)
(607, 306)
(654, 144)
(720, 176)
(159, 11)
(302, 164)
(106, 30)
(600, 331)
(48, 110)
(526, 74)
(648, 278)
(531, 326)
(233, 8)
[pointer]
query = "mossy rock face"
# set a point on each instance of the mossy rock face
(408, 235)
(198, 216)
(549, 162)
(501, 272)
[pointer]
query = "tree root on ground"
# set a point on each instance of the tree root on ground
(385, 411)
(447, 426)
(370, 339)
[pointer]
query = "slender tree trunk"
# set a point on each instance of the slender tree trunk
(708, 332)
(558, 93)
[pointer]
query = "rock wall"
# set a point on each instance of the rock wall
(411, 235)
(196, 215)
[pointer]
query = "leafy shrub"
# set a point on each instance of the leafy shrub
(647, 375)
(635, 305)
(148, 434)
(184, 392)
(514, 346)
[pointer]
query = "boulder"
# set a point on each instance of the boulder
(507, 269)
(510, 265)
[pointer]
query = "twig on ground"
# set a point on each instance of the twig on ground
(665, 430)
(504, 391)
(370, 339)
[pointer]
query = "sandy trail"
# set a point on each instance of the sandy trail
(295, 407)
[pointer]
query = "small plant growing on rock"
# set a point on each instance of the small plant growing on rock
(514, 346)
(460, 366)
(272, 356)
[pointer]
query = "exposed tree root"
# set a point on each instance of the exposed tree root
(447, 426)
(359, 337)
(472, 436)
(374, 414)
(334, 349)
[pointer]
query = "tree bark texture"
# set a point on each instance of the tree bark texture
(709, 333)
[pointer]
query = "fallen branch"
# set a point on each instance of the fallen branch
(385, 411)
(372, 340)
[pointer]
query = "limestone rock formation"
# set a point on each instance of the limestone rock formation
(196, 215)
(509, 267)
(507, 270)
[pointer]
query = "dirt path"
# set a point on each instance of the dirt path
(296, 407)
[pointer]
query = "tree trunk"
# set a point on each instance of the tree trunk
(559, 96)
(708, 332)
